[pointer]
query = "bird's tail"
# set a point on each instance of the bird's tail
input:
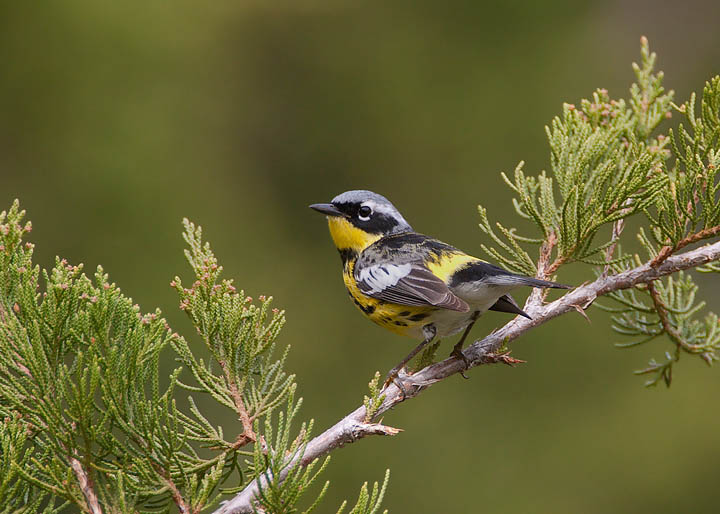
(521, 280)
(486, 273)
(536, 282)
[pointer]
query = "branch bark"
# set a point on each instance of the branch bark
(353, 427)
(177, 497)
(667, 251)
(93, 505)
(664, 316)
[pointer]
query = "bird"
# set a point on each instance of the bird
(410, 283)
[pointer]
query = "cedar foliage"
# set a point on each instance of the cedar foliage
(88, 421)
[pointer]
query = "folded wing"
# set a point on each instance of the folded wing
(407, 284)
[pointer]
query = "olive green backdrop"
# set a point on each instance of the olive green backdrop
(119, 118)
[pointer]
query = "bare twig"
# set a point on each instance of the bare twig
(674, 335)
(91, 500)
(248, 435)
(485, 351)
(544, 271)
(617, 230)
(667, 251)
(177, 497)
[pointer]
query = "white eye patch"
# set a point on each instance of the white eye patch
(365, 212)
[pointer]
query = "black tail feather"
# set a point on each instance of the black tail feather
(480, 271)
(536, 282)
(506, 303)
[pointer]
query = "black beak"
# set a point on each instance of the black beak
(327, 208)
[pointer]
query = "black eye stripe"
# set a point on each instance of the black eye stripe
(373, 222)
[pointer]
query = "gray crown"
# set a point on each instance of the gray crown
(360, 196)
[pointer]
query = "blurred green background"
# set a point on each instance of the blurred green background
(120, 118)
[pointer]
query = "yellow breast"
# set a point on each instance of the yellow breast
(404, 320)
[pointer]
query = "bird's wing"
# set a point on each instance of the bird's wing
(407, 284)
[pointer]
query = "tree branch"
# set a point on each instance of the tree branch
(674, 334)
(248, 435)
(93, 506)
(617, 230)
(667, 251)
(177, 497)
(353, 427)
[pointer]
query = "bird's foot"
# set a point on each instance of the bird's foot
(458, 354)
(393, 378)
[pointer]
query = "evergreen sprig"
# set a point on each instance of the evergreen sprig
(606, 166)
(91, 422)
(609, 162)
(685, 212)
(373, 402)
(688, 210)
(368, 502)
(284, 485)
(666, 307)
(16, 494)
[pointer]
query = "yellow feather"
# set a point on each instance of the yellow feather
(385, 314)
(391, 316)
(347, 236)
(449, 263)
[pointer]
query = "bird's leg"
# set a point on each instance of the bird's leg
(457, 349)
(429, 332)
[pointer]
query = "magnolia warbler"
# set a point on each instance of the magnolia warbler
(412, 284)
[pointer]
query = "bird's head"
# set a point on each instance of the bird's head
(359, 218)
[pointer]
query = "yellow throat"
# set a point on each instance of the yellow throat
(346, 236)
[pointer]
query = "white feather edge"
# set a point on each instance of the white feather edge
(382, 276)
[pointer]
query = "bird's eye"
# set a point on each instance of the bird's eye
(364, 213)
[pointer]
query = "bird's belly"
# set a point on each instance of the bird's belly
(479, 298)
(409, 321)
(402, 319)
(448, 323)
